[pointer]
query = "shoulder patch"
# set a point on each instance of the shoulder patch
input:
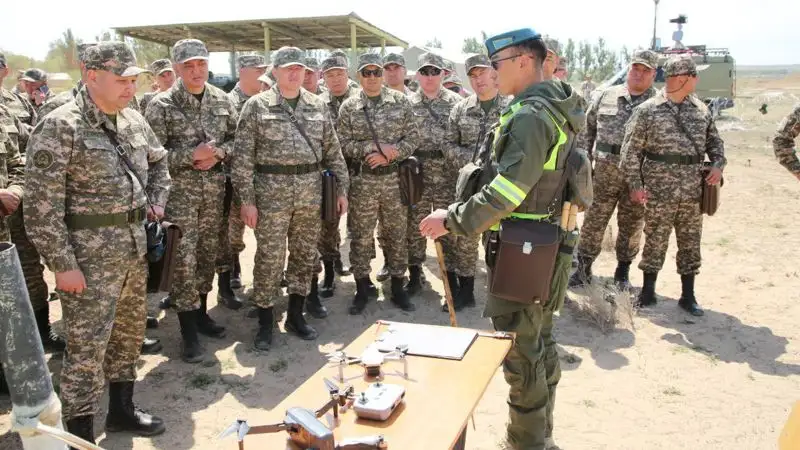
(42, 159)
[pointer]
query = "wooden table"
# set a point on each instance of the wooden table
(440, 397)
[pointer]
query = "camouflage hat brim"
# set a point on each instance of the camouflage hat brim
(338, 66)
(293, 63)
(265, 79)
(29, 79)
(642, 61)
(193, 58)
(362, 66)
(431, 65)
(132, 71)
(166, 69)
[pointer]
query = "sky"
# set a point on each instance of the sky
(756, 32)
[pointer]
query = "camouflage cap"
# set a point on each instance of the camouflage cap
(188, 49)
(34, 75)
(369, 59)
(160, 66)
(552, 45)
(256, 61)
(114, 57)
(394, 58)
(453, 78)
(334, 62)
(680, 65)
(562, 63)
(476, 61)
(266, 79)
(3, 62)
(341, 53)
(448, 65)
(312, 63)
(431, 59)
(81, 49)
(288, 56)
(647, 58)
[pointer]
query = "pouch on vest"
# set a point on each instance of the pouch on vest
(709, 201)
(525, 260)
(562, 270)
(471, 177)
(411, 181)
(329, 187)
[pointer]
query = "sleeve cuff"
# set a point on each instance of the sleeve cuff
(63, 263)
(16, 190)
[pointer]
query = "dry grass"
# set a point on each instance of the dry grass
(605, 307)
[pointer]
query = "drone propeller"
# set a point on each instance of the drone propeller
(240, 428)
(333, 388)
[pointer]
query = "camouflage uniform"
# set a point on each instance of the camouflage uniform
(587, 87)
(659, 157)
(783, 143)
(375, 193)
(19, 106)
(181, 123)
(36, 75)
(76, 185)
(605, 127)
(12, 168)
(275, 170)
(439, 176)
(157, 67)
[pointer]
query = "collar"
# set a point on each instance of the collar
(96, 118)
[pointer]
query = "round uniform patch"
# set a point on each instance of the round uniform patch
(42, 159)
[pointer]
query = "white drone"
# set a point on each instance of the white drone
(371, 360)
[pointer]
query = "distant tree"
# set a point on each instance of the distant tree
(585, 59)
(472, 45)
(624, 56)
(605, 60)
(146, 51)
(569, 51)
(434, 43)
(62, 53)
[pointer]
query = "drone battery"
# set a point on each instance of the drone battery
(379, 401)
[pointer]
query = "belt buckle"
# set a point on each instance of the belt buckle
(120, 150)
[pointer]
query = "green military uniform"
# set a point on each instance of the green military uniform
(529, 157)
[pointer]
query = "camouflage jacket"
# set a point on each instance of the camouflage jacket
(73, 170)
(17, 132)
(335, 103)
(238, 97)
(12, 165)
(433, 130)
(147, 97)
(266, 136)
(468, 125)
(19, 106)
(783, 143)
(182, 123)
(654, 128)
(606, 119)
(392, 119)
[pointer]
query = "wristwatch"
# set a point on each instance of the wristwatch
(444, 223)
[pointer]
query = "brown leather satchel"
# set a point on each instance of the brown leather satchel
(411, 181)
(709, 201)
(162, 272)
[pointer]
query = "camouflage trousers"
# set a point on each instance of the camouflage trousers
(104, 325)
(376, 198)
(465, 255)
(297, 223)
(610, 192)
(227, 237)
(195, 204)
(660, 218)
(31, 261)
(434, 197)
(525, 372)
(330, 240)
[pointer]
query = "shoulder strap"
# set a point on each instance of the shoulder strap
(128, 165)
(683, 128)
(372, 130)
(481, 131)
(430, 110)
(299, 126)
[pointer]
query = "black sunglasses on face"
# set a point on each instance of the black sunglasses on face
(430, 71)
(496, 62)
(366, 73)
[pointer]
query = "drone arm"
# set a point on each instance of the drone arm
(325, 408)
(264, 429)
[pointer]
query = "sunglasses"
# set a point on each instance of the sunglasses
(430, 72)
(366, 73)
(496, 62)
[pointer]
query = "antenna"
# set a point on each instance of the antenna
(655, 20)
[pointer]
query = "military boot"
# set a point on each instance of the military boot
(414, 285)
(465, 296)
(362, 297)
(205, 324)
(83, 427)
(341, 270)
(284, 281)
(123, 415)
(583, 274)
(329, 282)
(225, 294)
(151, 346)
(166, 302)
(191, 352)
(648, 295)
(50, 340)
(384, 274)
(295, 322)
(399, 295)
(151, 322)
(313, 304)
(622, 275)
(688, 301)
(236, 276)
(266, 323)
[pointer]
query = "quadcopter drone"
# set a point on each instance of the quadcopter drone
(371, 360)
(305, 429)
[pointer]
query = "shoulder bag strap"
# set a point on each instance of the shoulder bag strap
(300, 128)
(123, 155)
(372, 131)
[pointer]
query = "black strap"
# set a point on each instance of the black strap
(299, 169)
(430, 110)
(123, 155)
(608, 148)
(672, 158)
(372, 131)
(683, 128)
(298, 125)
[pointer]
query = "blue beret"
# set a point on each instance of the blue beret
(496, 43)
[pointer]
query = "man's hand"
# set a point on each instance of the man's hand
(10, 200)
(38, 97)
(714, 176)
(390, 151)
(203, 152)
(433, 226)
(376, 160)
(205, 164)
(639, 197)
(155, 213)
(249, 215)
(71, 282)
(341, 204)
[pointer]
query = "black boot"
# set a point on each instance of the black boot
(266, 323)
(83, 427)
(225, 294)
(648, 295)
(191, 352)
(236, 276)
(295, 322)
(123, 415)
(151, 322)
(465, 296)
(362, 296)
(328, 283)
(50, 341)
(688, 301)
(414, 285)
(313, 305)
(583, 274)
(399, 295)
(205, 324)
(166, 302)
(622, 275)
(452, 280)
(341, 270)
(151, 346)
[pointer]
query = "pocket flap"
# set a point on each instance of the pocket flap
(530, 232)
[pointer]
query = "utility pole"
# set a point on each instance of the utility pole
(655, 21)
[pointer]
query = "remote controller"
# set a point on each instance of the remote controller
(378, 401)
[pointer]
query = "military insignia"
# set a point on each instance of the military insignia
(42, 159)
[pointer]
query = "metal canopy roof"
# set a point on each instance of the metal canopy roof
(326, 32)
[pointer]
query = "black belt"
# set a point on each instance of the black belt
(433, 154)
(608, 148)
(215, 168)
(685, 160)
(299, 169)
(383, 170)
(84, 221)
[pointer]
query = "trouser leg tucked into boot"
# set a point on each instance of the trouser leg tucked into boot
(191, 351)
(362, 297)
(236, 276)
(329, 282)
(205, 324)
(225, 294)
(648, 295)
(341, 270)
(414, 285)
(688, 301)
(399, 295)
(295, 322)
(83, 427)
(583, 274)
(622, 275)
(313, 304)
(123, 415)
(266, 323)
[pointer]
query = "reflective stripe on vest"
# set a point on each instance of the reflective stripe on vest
(506, 187)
